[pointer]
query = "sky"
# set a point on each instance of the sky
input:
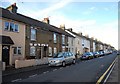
(96, 19)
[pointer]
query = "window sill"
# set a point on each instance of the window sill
(16, 54)
(11, 31)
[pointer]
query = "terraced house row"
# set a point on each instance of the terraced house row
(23, 37)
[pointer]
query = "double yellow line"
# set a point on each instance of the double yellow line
(101, 78)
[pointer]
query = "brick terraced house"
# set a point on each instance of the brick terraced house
(26, 38)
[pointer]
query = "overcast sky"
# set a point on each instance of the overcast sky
(97, 19)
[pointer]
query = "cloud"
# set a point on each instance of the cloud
(46, 12)
(106, 32)
(89, 11)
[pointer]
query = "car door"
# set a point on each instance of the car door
(66, 57)
(71, 57)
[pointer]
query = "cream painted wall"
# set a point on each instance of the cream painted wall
(86, 43)
(94, 48)
(70, 45)
(78, 46)
(17, 37)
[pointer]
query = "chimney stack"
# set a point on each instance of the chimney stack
(70, 29)
(80, 33)
(46, 20)
(12, 8)
(62, 26)
(87, 35)
(92, 38)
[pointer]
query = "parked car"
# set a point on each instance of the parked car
(106, 52)
(96, 54)
(87, 55)
(62, 58)
(101, 53)
(118, 52)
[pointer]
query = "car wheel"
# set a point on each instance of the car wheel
(74, 61)
(63, 64)
(89, 58)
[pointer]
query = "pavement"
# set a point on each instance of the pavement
(11, 70)
(114, 74)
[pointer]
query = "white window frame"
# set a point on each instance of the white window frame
(33, 37)
(17, 48)
(9, 23)
(15, 28)
(55, 37)
(55, 50)
(63, 39)
(50, 51)
(5, 26)
(32, 53)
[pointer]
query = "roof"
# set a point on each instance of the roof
(6, 40)
(75, 33)
(63, 31)
(28, 20)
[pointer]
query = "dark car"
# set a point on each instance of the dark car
(118, 52)
(96, 54)
(87, 55)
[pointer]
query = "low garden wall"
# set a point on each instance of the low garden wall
(30, 62)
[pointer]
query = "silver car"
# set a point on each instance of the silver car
(62, 58)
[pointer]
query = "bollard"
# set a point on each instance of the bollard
(3, 66)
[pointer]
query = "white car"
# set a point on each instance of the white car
(62, 58)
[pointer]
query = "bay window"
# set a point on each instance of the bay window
(32, 51)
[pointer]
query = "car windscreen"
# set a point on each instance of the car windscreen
(58, 55)
(87, 53)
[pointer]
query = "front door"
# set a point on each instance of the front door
(5, 54)
(45, 51)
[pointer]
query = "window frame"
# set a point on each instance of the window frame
(17, 52)
(33, 38)
(31, 53)
(5, 26)
(55, 38)
(63, 39)
(50, 51)
(9, 25)
(55, 50)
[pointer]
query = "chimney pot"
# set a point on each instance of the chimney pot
(62, 26)
(46, 20)
(14, 4)
(12, 8)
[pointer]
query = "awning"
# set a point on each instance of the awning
(6, 40)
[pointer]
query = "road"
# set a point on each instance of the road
(82, 71)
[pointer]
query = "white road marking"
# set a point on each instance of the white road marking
(16, 80)
(32, 75)
(54, 69)
(109, 74)
(100, 57)
(46, 72)
(61, 68)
